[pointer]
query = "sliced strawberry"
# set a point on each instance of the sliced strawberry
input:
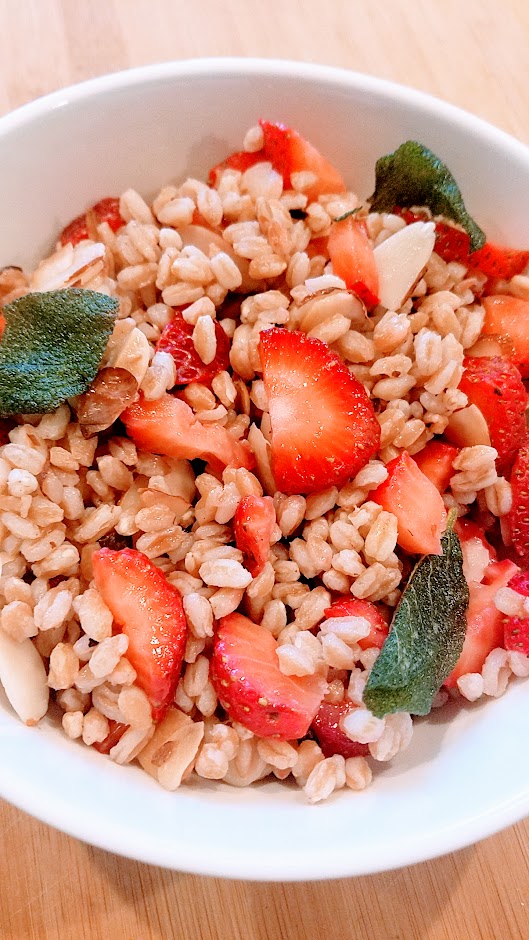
(495, 386)
(250, 686)
(149, 611)
(508, 318)
(518, 518)
(484, 621)
(177, 340)
(348, 606)
(289, 153)
(416, 502)
(324, 428)
(498, 261)
(516, 634)
(168, 426)
(516, 629)
(520, 583)
(435, 460)
(253, 524)
(106, 210)
(116, 731)
(331, 738)
(453, 244)
(351, 253)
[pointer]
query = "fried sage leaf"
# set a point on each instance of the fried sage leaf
(51, 347)
(426, 636)
(414, 176)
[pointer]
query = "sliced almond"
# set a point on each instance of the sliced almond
(172, 749)
(468, 427)
(400, 260)
(134, 355)
(24, 679)
(487, 346)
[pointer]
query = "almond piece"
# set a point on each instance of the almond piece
(400, 260)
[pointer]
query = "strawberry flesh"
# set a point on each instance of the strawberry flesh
(416, 502)
(485, 628)
(351, 253)
(435, 460)
(253, 524)
(252, 689)
(106, 210)
(507, 317)
(495, 386)
(288, 152)
(149, 610)
(518, 517)
(330, 737)
(324, 428)
(177, 340)
(453, 244)
(348, 606)
(169, 426)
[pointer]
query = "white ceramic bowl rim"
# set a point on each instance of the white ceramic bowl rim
(238, 858)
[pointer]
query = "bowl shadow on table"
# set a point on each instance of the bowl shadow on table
(394, 905)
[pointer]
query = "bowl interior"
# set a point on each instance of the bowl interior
(146, 128)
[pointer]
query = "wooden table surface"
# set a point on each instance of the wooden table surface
(473, 53)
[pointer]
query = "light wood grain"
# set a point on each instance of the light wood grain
(473, 54)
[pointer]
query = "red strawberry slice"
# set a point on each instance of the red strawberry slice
(498, 261)
(453, 244)
(149, 611)
(518, 518)
(168, 426)
(252, 689)
(516, 629)
(288, 152)
(508, 318)
(435, 460)
(253, 524)
(324, 428)
(348, 606)
(520, 583)
(351, 253)
(330, 737)
(177, 340)
(485, 629)
(106, 210)
(416, 502)
(495, 386)
(516, 634)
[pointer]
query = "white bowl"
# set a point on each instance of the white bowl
(466, 774)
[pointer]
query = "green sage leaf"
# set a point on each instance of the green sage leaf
(414, 176)
(51, 348)
(426, 636)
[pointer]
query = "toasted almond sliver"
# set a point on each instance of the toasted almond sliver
(468, 427)
(24, 679)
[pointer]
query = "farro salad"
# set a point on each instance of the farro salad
(264, 474)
